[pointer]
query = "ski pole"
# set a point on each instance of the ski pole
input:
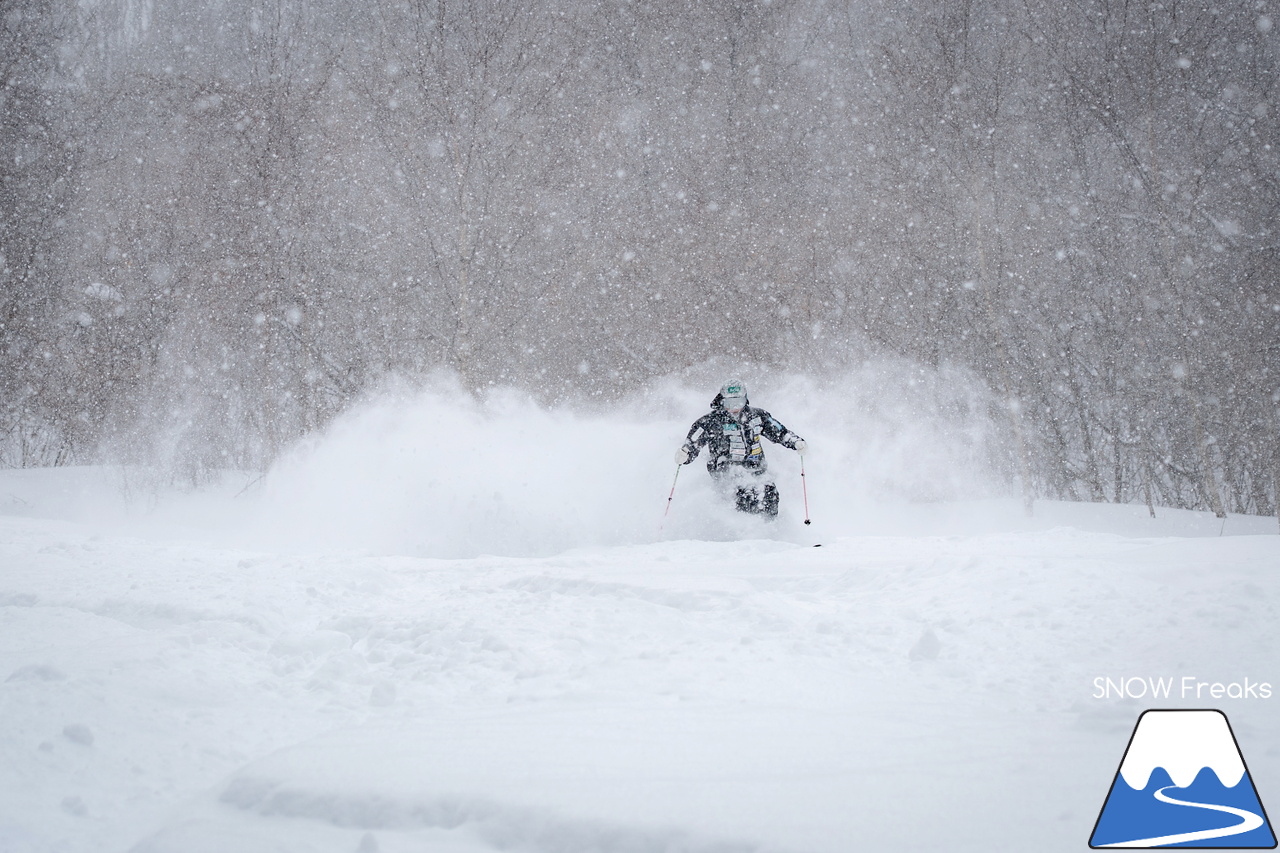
(804, 488)
(670, 496)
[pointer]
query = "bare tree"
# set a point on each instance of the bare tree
(39, 156)
(469, 98)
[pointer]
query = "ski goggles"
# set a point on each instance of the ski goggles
(733, 404)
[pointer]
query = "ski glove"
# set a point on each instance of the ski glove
(799, 446)
(682, 456)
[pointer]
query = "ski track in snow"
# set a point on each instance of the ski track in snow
(1248, 822)
(168, 694)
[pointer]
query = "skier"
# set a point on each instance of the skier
(731, 433)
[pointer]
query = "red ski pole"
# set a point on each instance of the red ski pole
(804, 488)
(669, 497)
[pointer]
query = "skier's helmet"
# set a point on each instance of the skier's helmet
(733, 396)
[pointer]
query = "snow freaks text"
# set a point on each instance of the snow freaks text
(1186, 687)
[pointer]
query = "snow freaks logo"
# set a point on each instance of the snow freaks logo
(1188, 687)
(1183, 783)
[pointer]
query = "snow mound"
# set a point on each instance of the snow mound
(439, 473)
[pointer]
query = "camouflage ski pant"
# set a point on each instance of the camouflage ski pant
(750, 490)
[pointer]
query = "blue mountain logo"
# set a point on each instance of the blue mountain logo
(1183, 783)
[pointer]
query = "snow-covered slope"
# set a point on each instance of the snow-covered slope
(202, 673)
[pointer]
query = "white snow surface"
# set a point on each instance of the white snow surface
(1183, 743)
(457, 627)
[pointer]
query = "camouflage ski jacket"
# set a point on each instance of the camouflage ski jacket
(735, 440)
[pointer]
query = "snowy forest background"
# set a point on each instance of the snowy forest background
(224, 222)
